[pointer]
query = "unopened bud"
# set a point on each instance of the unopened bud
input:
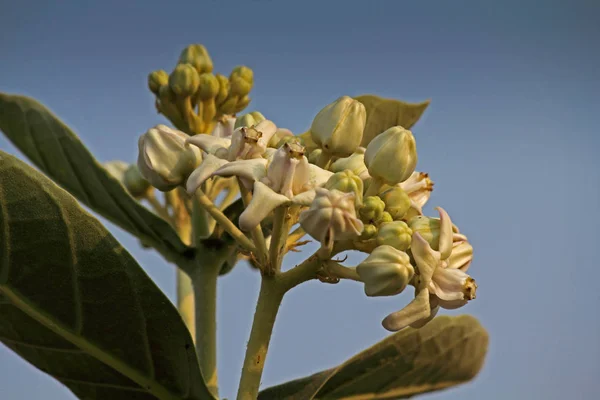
(372, 209)
(135, 183)
(239, 87)
(156, 79)
(331, 217)
(385, 218)
(164, 159)
(339, 126)
(197, 56)
(209, 86)
(243, 72)
(396, 234)
(392, 155)
(429, 228)
(386, 271)
(116, 169)
(355, 163)
(347, 182)
(396, 202)
(369, 232)
(249, 119)
(223, 89)
(184, 80)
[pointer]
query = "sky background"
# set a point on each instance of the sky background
(510, 139)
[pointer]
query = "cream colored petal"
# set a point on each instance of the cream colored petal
(254, 169)
(304, 198)
(209, 144)
(445, 234)
(418, 309)
(425, 257)
(462, 255)
(203, 172)
(422, 322)
(452, 305)
(268, 129)
(448, 284)
(318, 176)
(264, 200)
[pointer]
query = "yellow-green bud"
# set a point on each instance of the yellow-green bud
(223, 89)
(156, 79)
(228, 106)
(396, 202)
(385, 218)
(355, 163)
(386, 271)
(258, 117)
(135, 183)
(246, 120)
(347, 182)
(197, 55)
(209, 86)
(428, 227)
(339, 126)
(116, 169)
(396, 234)
(372, 209)
(369, 232)
(314, 155)
(392, 155)
(184, 80)
(242, 103)
(239, 86)
(283, 136)
(243, 72)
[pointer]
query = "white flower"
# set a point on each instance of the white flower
(245, 143)
(442, 281)
(418, 187)
(224, 128)
(331, 217)
(285, 177)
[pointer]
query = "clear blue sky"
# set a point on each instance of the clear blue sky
(511, 140)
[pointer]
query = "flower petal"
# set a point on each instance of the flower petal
(418, 309)
(445, 234)
(203, 172)
(304, 198)
(434, 310)
(318, 176)
(448, 284)
(425, 257)
(264, 200)
(254, 169)
(462, 255)
(209, 144)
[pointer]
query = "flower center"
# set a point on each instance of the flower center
(469, 288)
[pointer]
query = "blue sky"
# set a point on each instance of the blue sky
(510, 140)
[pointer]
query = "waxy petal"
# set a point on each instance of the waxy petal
(418, 309)
(208, 143)
(304, 198)
(254, 169)
(264, 200)
(445, 246)
(448, 284)
(203, 172)
(318, 176)
(426, 258)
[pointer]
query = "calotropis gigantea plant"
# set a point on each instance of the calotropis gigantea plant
(214, 189)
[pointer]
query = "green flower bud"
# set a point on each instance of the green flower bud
(246, 120)
(372, 209)
(314, 155)
(197, 56)
(209, 87)
(243, 72)
(223, 89)
(228, 106)
(347, 182)
(339, 126)
(385, 218)
(135, 183)
(428, 227)
(396, 202)
(156, 79)
(283, 136)
(386, 271)
(242, 103)
(116, 169)
(239, 86)
(396, 234)
(392, 155)
(258, 117)
(355, 163)
(184, 80)
(369, 232)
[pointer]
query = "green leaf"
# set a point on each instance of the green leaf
(446, 352)
(59, 153)
(382, 114)
(76, 305)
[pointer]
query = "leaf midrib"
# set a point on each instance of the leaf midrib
(146, 383)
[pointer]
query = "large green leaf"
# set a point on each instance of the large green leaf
(59, 153)
(76, 305)
(385, 113)
(446, 352)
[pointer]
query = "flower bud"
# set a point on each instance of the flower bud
(355, 163)
(164, 159)
(223, 89)
(347, 182)
(116, 169)
(385, 218)
(396, 202)
(314, 155)
(369, 232)
(239, 87)
(243, 72)
(197, 56)
(242, 103)
(248, 120)
(331, 217)
(282, 136)
(429, 228)
(208, 87)
(184, 80)
(392, 155)
(396, 234)
(372, 209)
(135, 183)
(386, 271)
(156, 79)
(339, 126)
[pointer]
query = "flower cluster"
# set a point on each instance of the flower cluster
(346, 197)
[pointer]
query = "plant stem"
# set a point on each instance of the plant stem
(185, 292)
(339, 271)
(269, 300)
(374, 187)
(324, 159)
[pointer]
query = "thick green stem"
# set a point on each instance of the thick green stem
(204, 279)
(269, 300)
(324, 159)
(374, 187)
(185, 292)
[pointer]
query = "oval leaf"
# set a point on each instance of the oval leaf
(76, 305)
(446, 352)
(382, 114)
(59, 153)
